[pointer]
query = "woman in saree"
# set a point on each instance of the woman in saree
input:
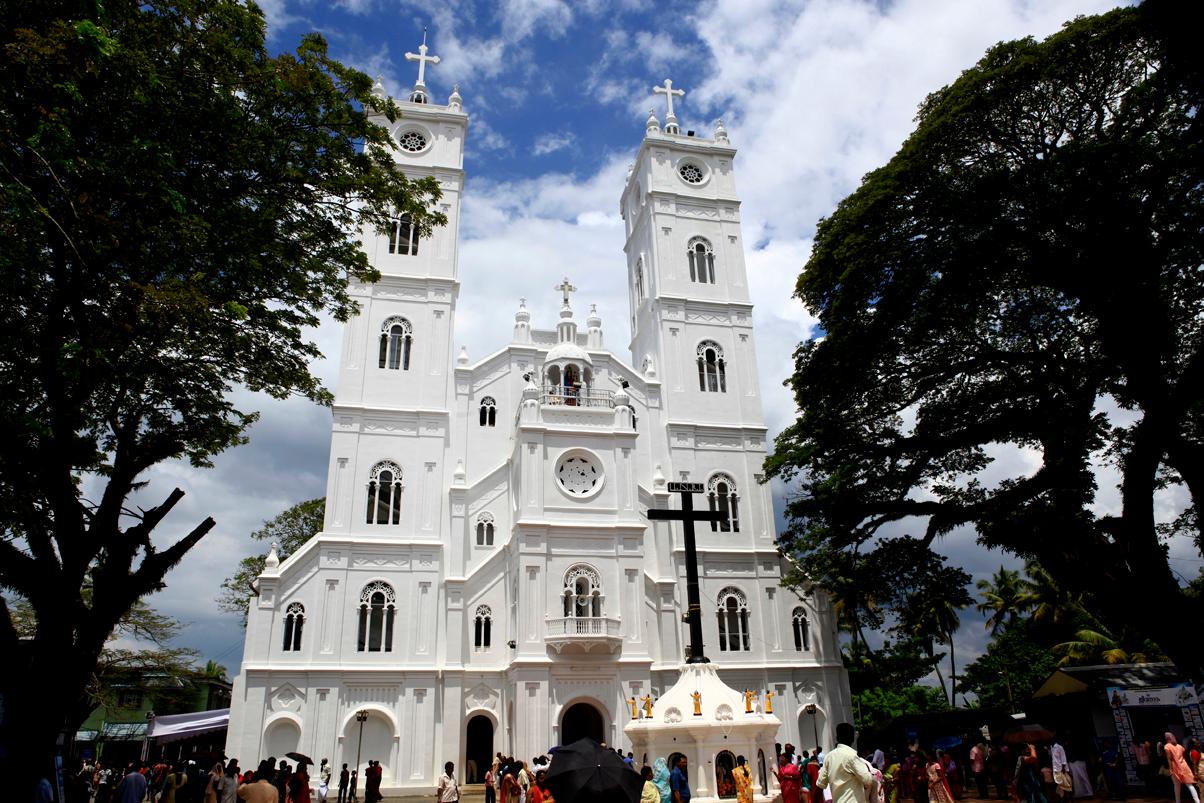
(938, 787)
(890, 779)
(744, 784)
(790, 780)
(660, 777)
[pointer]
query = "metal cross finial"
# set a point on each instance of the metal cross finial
(565, 288)
(422, 58)
(668, 91)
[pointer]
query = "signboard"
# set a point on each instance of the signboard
(1175, 696)
(685, 488)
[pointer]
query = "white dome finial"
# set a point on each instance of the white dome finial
(720, 131)
(273, 560)
(462, 359)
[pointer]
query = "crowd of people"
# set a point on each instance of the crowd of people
(271, 781)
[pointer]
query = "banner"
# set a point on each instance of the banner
(1176, 696)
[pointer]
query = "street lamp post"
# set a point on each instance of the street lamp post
(812, 709)
(361, 717)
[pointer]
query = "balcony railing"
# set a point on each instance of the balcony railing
(577, 397)
(584, 626)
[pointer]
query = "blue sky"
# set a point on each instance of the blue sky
(814, 94)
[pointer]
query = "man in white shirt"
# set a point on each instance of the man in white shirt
(448, 790)
(845, 771)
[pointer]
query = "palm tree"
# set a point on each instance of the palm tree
(1003, 598)
(1098, 646)
(935, 617)
(1049, 603)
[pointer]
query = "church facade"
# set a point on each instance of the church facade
(486, 579)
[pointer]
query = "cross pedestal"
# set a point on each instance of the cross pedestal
(687, 516)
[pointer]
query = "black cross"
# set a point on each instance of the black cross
(687, 516)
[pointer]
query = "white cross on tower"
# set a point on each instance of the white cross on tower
(668, 91)
(566, 288)
(422, 58)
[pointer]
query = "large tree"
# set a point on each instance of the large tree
(177, 207)
(1022, 279)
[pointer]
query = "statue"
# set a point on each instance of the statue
(648, 706)
(768, 702)
(635, 713)
(748, 698)
(697, 703)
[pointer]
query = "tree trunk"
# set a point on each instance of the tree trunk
(952, 675)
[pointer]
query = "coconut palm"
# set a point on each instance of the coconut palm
(1049, 602)
(1004, 599)
(935, 617)
(1095, 645)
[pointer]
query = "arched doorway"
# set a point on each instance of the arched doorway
(811, 724)
(478, 750)
(375, 744)
(282, 737)
(725, 779)
(579, 721)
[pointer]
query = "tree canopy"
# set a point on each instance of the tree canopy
(177, 207)
(1022, 279)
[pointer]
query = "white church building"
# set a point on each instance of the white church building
(486, 579)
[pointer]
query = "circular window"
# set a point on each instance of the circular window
(690, 173)
(411, 141)
(579, 474)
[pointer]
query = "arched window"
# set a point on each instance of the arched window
(485, 529)
(733, 620)
(582, 592)
(396, 343)
(702, 260)
(488, 412)
(712, 375)
(384, 493)
(721, 494)
(482, 627)
(403, 236)
(639, 280)
(294, 622)
(802, 634)
(378, 606)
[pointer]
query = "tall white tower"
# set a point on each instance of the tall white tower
(392, 406)
(691, 316)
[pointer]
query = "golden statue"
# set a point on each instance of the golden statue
(635, 713)
(768, 702)
(748, 698)
(648, 706)
(697, 703)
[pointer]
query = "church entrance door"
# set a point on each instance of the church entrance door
(581, 720)
(478, 750)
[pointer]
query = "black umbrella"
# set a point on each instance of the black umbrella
(300, 758)
(585, 772)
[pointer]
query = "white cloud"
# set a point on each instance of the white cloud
(552, 142)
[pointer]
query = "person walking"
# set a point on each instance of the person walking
(1181, 774)
(132, 788)
(344, 779)
(1063, 781)
(351, 786)
(490, 784)
(679, 781)
(938, 785)
(743, 778)
(1028, 776)
(324, 775)
(843, 770)
(448, 791)
(790, 779)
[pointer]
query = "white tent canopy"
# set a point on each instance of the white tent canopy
(171, 727)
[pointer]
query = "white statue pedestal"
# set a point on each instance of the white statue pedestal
(722, 725)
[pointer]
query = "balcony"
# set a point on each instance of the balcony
(576, 397)
(584, 634)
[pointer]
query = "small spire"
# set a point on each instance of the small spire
(273, 560)
(378, 88)
(454, 101)
(720, 131)
(462, 358)
(594, 320)
(653, 125)
(658, 477)
(459, 475)
(523, 314)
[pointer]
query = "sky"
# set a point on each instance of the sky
(814, 94)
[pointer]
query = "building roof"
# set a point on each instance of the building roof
(1080, 679)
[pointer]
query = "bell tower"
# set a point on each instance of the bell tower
(392, 405)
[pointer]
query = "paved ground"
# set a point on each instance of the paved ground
(476, 794)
